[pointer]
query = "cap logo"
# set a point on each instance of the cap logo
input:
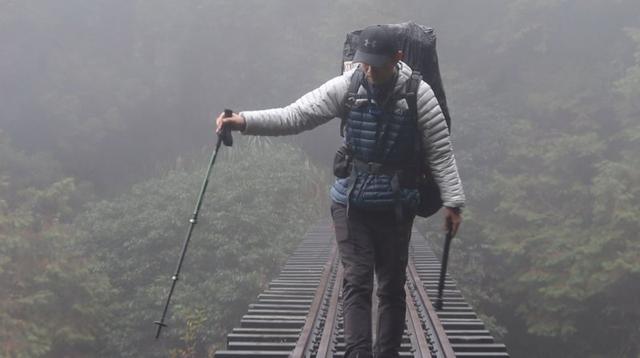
(367, 42)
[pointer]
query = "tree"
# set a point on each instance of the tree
(51, 303)
(260, 201)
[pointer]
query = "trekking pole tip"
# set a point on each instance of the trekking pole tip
(160, 325)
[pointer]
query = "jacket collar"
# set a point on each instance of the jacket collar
(404, 73)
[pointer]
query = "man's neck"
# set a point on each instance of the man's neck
(390, 79)
(386, 85)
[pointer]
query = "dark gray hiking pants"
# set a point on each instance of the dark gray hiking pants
(371, 241)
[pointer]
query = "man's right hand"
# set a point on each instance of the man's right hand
(236, 122)
(452, 220)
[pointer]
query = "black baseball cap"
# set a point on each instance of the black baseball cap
(376, 46)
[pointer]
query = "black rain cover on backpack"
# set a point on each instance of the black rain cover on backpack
(418, 43)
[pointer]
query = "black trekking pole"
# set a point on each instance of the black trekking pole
(223, 137)
(443, 268)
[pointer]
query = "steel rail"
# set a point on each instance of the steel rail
(440, 345)
(327, 340)
(303, 343)
(414, 326)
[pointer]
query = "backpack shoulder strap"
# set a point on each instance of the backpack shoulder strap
(411, 96)
(411, 93)
(352, 93)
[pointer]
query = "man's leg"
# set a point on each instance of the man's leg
(391, 255)
(356, 251)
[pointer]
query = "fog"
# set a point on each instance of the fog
(107, 112)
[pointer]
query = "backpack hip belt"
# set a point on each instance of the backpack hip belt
(376, 168)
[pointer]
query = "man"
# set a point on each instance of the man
(372, 234)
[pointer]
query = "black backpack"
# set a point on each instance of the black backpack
(419, 46)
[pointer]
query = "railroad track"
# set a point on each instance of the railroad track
(300, 313)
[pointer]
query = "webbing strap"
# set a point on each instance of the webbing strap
(412, 101)
(352, 94)
(395, 188)
(353, 176)
(376, 168)
(412, 92)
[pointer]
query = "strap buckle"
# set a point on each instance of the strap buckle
(370, 167)
(373, 167)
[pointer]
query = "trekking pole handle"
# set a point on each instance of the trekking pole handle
(225, 133)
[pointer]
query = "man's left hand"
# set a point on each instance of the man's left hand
(452, 219)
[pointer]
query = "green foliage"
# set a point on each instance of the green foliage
(50, 302)
(259, 203)
(546, 134)
(544, 96)
(561, 216)
(22, 171)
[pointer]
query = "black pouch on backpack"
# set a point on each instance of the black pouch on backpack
(342, 162)
(430, 198)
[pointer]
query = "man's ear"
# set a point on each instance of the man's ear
(398, 56)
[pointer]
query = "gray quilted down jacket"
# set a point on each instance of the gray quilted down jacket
(327, 102)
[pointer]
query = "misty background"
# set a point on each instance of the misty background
(107, 115)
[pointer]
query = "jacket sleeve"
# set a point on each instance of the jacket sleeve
(309, 111)
(438, 149)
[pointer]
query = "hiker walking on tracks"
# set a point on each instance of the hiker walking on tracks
(389, 136)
